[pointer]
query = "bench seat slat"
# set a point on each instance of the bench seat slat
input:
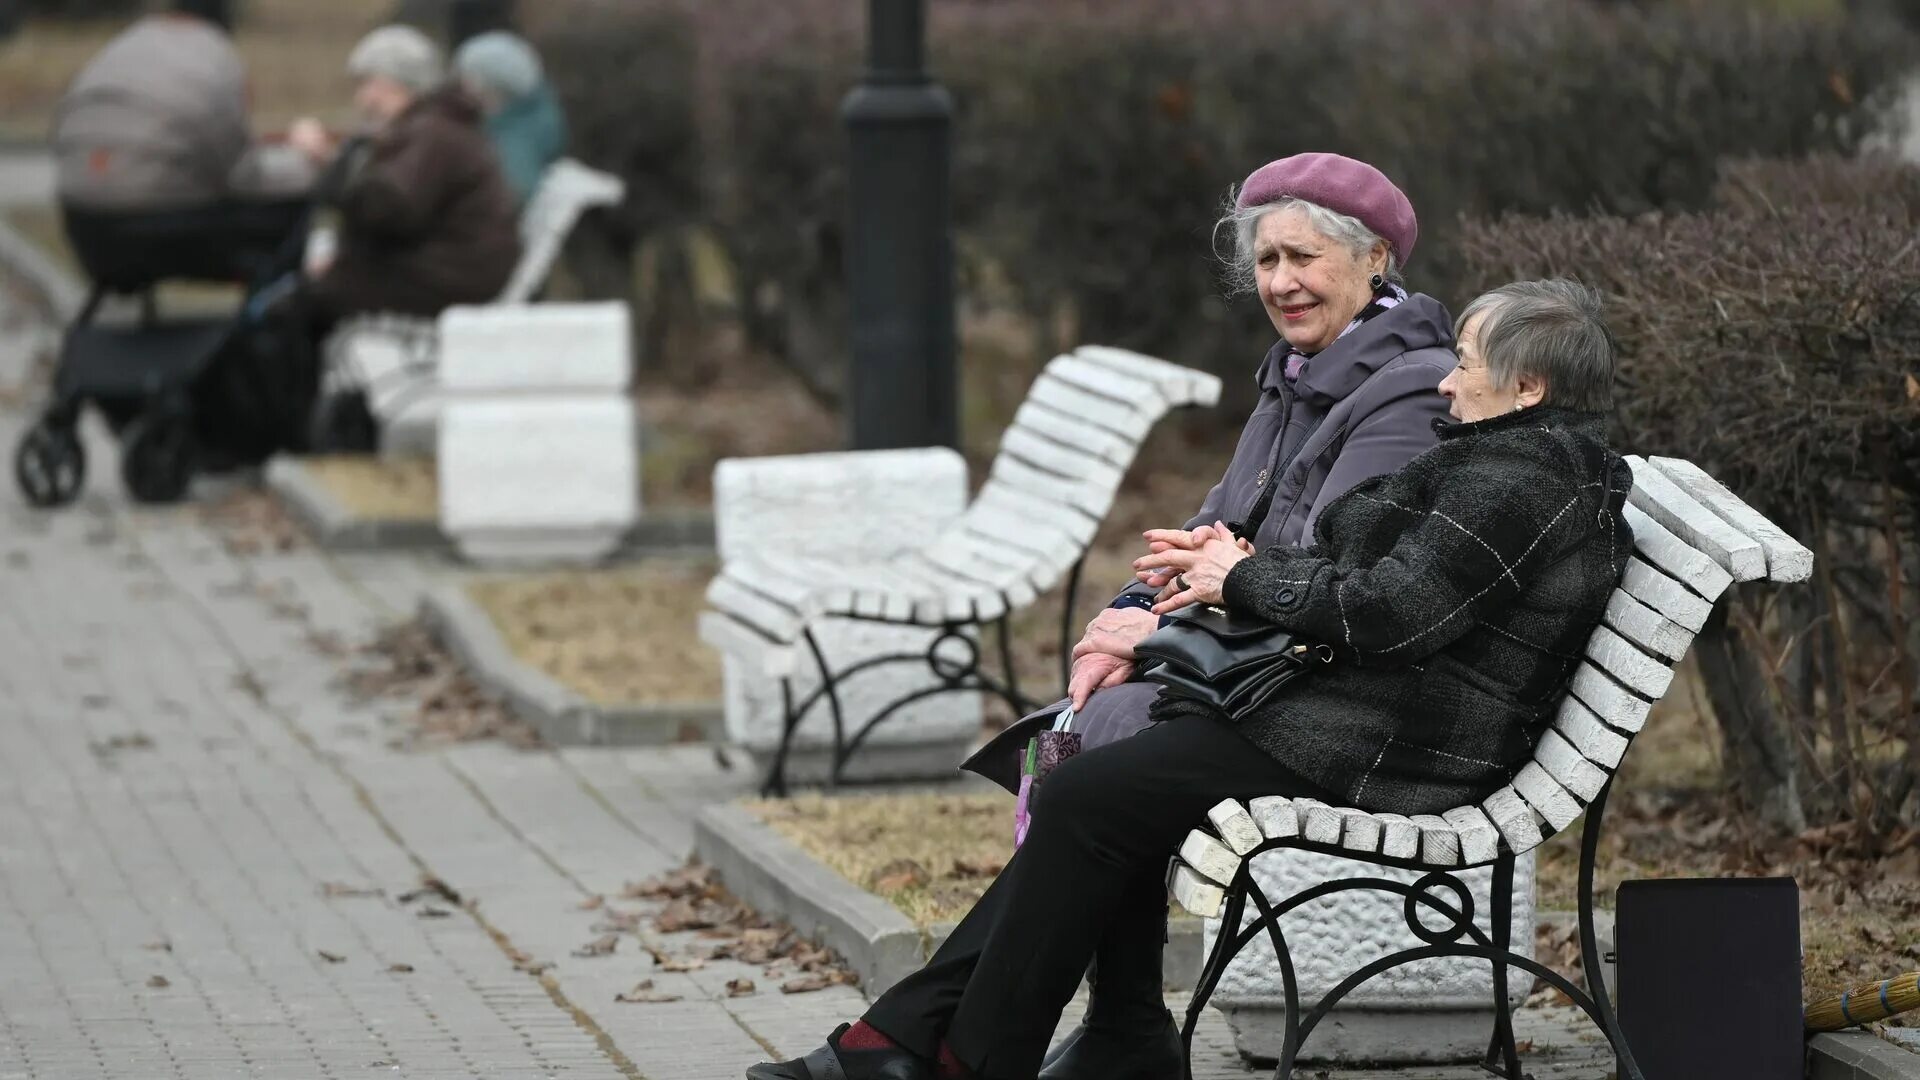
(1568, 767)
(1063, 396)
(1514, 818)
(1109, 446)
(1553, 802)
(1646, 627)
(1319, 822)
(742, 643)
(1005, 498)
(1276, 816)
(1360, 831)
(1235, 826)
(1664, 501)
(1141, 395)
(1654, 543)
(1055, 457)
(1082, 496)
(1479, 840)
(1439, 840)
(1596, 741)
(1399, 836)
(1787, 559)
(1636, 670)
(1194, 892)
(1180, 385)
(1618, 706)
(1213, 859)
(1665, 595)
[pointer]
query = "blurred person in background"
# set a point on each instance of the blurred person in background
(159, 174)
(524, 120)
(1347, 393)
(426, 220)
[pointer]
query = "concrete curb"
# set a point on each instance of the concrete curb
(336, 528)
(1859, 1055)
(61, 291)
(881, 945)
(562, 716)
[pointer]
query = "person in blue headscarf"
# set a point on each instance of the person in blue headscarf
(524, 119)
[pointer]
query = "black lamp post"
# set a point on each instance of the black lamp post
(903, 387)
(471, 18)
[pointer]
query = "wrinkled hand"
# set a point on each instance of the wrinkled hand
(1104, 656)
(1201, 560)
(310, 137)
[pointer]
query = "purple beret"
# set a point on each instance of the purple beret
(1343, 185)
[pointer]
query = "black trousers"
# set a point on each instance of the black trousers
(1091, 875)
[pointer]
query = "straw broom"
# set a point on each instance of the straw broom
(1865, 1003)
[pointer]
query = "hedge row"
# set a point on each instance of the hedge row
(1095, 142)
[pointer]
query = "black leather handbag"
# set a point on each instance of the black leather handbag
(1231, 663)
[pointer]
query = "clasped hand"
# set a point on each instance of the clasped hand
(1190, 567)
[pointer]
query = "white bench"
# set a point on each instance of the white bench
(1692, 539)
(1026, 530)
(393, 358)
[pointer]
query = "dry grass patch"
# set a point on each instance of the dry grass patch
(618, 637)
(380, 489)
(930, 855)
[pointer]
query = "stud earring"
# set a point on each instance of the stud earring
(1377, 281)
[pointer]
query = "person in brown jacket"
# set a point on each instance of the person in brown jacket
(426, 218)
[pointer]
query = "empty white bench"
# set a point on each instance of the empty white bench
(1692, 539)
(393, 358)
(1027, 530)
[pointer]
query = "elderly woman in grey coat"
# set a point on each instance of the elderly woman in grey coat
(1456, 595)
(1347, 393)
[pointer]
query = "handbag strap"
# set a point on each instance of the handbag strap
(1064, 721)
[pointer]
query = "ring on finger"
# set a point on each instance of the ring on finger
(1179, 583)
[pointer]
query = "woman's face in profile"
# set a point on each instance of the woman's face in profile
(1468, 387)
(1312, 286)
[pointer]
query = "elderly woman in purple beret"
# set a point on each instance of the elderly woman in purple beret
(1347, 393)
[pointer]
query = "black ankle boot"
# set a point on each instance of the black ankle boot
(1148, 1049)
(1127, 1033)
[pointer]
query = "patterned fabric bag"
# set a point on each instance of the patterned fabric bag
(1045, 752)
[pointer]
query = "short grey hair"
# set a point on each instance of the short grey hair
(1241, 224)
(1554, 330)
(501, 63)
(400, 53)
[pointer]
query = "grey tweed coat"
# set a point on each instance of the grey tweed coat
(1458, 594)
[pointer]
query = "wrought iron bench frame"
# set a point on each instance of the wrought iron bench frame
(1693, 538)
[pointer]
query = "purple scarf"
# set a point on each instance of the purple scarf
(1388, 296)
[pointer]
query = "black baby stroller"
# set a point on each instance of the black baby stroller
(181, 394)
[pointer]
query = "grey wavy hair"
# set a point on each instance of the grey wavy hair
(1241, 224)
(1554, 330)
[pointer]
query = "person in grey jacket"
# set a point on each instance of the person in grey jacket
(1347, 393)
(159, 173)
(1456, 593)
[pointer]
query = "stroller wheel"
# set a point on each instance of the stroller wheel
(50, 464)
(344, 424)
(156, 457)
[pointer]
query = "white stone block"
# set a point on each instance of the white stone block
(538, 347)
(1433, 1010)
(851, 508)
(548, 478)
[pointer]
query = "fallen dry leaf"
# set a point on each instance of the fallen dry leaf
(966, 869)
(332, 958)
(159, 982)
(806, 984)
(431, 912)
(897, 875)
(643, 993)
(604, 945)
(739, 987)
(593, 903)
(333, 889)
(159, 946)
(400, 969)
(692, 963)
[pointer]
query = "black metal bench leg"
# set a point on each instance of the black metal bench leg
(1590, 941)
(1503, 1055)
(775, 786)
